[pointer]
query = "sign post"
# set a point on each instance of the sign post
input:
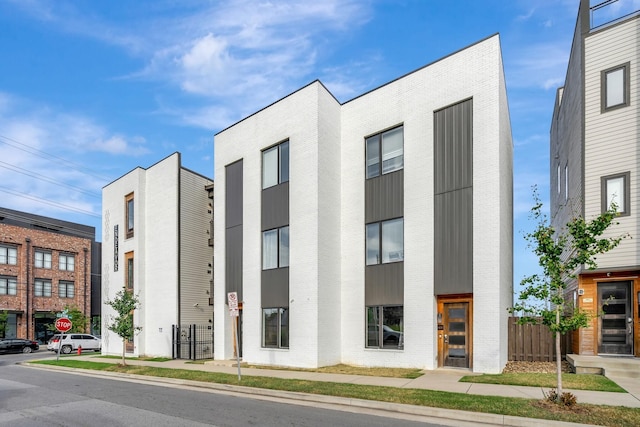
(63, 324)
(234, 312)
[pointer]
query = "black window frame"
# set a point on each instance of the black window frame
(626, 90)
(39, 288)
(282, 147)
(380, 241)
(395, 339)
(5, 290)
(622, 210)
(65, 284)
(377, 138)
(279, 247)
(282, 342)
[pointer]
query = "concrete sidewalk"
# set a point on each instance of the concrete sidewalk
(440, 379)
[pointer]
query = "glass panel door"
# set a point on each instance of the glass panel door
(616, 321)
(456, 337)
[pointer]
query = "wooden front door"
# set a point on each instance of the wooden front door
(455, 340)
(615, 332)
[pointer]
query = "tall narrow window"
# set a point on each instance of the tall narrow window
(385, 241)
(615, 190)
(8, 255)
(275, 248)
(384, 152)
(129, 260)
(275, 165)
(566, 182)
(42, 259)
(67, 262)
(558, 181)
(615, 87)
(129, 217)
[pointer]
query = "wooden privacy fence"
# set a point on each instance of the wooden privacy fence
(533, 343)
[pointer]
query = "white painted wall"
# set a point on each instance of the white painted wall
(327, 214)
(156, 251)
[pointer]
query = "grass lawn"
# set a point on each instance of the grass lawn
(530, 408)
(569, 381)
(352, 370)
(147, 359)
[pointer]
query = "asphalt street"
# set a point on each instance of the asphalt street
(34, 397)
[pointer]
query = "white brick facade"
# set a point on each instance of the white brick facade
(157, 247)
(326, 211)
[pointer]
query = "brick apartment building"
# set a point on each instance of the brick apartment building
(45, 266)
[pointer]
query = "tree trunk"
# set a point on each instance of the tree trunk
(124, 347)
(558, 356)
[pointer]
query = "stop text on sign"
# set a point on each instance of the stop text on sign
(63, 324)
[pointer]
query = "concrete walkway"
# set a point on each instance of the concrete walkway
(442, 380)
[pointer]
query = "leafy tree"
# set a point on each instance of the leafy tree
(4, 316)
(96, 325)
(561, 253)
(79, 321)
(122, 324)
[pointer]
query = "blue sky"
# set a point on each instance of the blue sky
(90, 90)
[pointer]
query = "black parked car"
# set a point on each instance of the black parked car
(16, 345)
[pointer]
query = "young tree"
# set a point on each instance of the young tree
(122, 324)
(561, 253)
(79, 321)
(4, 316)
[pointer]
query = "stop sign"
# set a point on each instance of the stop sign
(63, 324)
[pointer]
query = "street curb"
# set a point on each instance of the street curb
(293, 397)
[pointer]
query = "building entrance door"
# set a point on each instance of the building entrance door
(615, 332)
(455, 336)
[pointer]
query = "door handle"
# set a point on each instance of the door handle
(446, 338)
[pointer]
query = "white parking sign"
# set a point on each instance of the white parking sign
(232, 298)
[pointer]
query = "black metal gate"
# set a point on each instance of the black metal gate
(193, 342)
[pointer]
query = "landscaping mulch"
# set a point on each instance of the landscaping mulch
(535, 367)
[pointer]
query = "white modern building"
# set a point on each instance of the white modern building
(375, 232)
(157, 244)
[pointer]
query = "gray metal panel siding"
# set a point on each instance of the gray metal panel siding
(233, 227)
(454, 242)
(453, 203)
(453, 147)
(233, 260)
(384, 284)
(384, 197)
(233, 194)
(275, 206)
(275, 288)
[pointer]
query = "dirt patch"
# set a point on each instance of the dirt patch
(535, 367)
(561, 409)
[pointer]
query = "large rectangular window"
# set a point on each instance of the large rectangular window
(66, 290)
(615, 189)
(566, 182)
(42, 288)
(275, 165)
(385, 152)
(615, 87)
(275, 248)
(385, 327)
(275, 327)
(8, 255)
(129, 214)
(385, 241)
(67, 262)
(8, 285)
(42, 259)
